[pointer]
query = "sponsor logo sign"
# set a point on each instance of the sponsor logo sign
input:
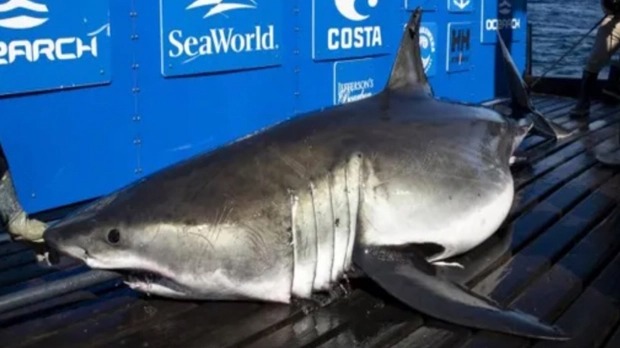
(52, 44)
(428, 47)
(507, 16)
(201, 36)
(348, 28)
(459, 47)
(355, 80)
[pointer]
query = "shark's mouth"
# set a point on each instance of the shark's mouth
(140, 276)
(152, 283)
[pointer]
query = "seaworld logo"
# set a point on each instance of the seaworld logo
(220, 7)
(221, 40)
(22, 21)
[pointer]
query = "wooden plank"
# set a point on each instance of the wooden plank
(508, 280)
(37, 332)
(57, 304)
(534, 221)
(62, 270)
(536, 257)
(564, 282)
(433, 337)
(531, 194)
(4, 237)
(12, 247)
(385, 324)
(585, 138)
(601, 298)
(17, 259)
(30, 272)
(614, 340)
(597, 113)
(547, 161)
(323, 323)
(108, 320)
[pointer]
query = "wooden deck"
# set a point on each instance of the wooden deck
(556, 257)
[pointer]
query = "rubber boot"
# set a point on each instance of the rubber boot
(588, 82)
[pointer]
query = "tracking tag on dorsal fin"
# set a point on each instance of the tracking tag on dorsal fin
(408, 69)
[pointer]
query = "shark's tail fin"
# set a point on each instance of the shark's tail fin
(523, 103)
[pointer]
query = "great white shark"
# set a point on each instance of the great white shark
(291, 210)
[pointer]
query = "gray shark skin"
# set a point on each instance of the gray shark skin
(293, 209)
(522, 103)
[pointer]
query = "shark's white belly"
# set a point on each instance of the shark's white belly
(456, 223)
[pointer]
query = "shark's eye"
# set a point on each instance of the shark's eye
(114, 236)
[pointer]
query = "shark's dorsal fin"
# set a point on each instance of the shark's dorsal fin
(408, 69)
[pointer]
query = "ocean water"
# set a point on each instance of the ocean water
(556, 26)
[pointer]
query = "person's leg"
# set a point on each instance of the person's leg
(606, 44)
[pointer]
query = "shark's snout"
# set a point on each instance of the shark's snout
(59, 241)
(52, 238)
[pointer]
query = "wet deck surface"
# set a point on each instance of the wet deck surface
(556, 257)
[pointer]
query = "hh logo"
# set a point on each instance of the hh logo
(347, 9)
(221, 6)
(460, 40)
(22, 21)
(459, 46)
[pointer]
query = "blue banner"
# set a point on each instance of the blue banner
(53, 44)
(349, 28)
(463, 6)
(459, 47)
(355, 80)
(506, 15)
(201, 36)
(428, 47)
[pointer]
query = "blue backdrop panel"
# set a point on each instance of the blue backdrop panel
(63, 46)
(181, 116)
(173, 78)
(68, 144)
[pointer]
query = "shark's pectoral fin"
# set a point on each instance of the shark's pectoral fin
(547, 128)
(412, 280)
